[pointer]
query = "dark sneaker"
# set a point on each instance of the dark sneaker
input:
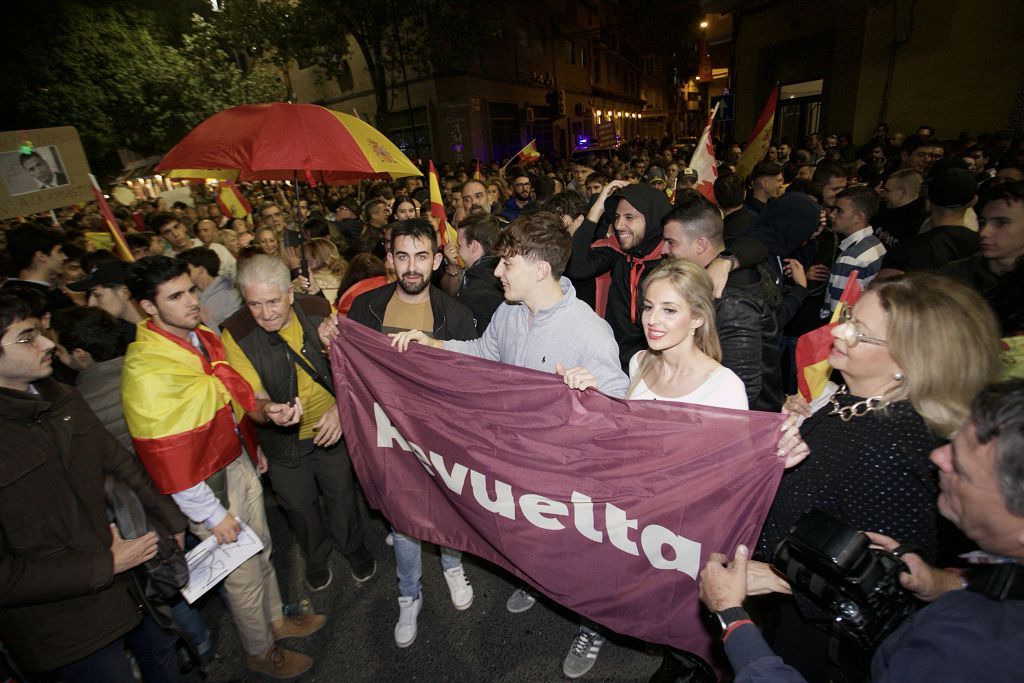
(582, 654)
(317, 581)
(364, 567)
(520, 601)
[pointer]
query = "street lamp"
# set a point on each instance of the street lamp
(703, 24)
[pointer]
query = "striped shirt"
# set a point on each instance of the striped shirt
(861, 251)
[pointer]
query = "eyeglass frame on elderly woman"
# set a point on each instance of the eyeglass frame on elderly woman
(846, 318)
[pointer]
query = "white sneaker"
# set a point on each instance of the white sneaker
(458, 586)
(405, 629)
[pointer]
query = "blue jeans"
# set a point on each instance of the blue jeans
(409, 563)
(154, 651)
(193, 627)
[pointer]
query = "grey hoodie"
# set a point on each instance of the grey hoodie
(569, 333)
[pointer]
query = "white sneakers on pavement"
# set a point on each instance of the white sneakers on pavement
(408, 612)
(458, 586)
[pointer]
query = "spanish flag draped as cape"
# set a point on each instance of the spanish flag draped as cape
(178, 406)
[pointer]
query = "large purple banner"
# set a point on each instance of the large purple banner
(608, 507)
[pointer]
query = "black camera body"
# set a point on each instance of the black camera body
(833, 565)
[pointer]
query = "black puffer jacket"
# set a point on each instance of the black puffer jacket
(628, 268)
(749, 335)
(784, 227)
(482, 292)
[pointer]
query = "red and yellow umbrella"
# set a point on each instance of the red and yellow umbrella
(282, 141)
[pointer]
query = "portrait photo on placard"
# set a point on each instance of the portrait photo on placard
(40, 169)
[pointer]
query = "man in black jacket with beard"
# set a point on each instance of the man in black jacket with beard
(744, 314)
(637, 212)
(411, 301)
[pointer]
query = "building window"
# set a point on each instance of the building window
(505, 139)
(799, 111)
(410, 131)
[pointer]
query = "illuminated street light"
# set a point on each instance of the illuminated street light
(703, 24)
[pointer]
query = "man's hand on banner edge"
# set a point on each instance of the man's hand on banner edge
(283, 414)
(723, 584)
(577, 377)
(401, 340)
(791, 445)
(328, 330)
(327, 429)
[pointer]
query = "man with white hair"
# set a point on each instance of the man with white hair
(272, 342)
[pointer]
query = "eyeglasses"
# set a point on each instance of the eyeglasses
(851, 335)
(520, 184)
(32, 338)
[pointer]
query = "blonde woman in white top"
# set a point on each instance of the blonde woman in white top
(683, 360)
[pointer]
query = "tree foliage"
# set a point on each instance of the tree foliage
(115, 77)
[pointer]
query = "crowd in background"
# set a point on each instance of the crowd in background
(933, 227)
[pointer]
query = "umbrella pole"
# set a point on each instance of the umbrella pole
(303, 264)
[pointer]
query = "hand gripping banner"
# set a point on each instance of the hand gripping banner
(608, 507)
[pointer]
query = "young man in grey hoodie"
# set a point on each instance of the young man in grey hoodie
(543, 326)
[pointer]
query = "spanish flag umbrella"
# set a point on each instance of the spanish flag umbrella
(284, 141)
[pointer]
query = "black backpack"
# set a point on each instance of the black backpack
(161, 578)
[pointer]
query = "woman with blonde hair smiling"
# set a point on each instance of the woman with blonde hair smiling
(682, 364)
(683, 360)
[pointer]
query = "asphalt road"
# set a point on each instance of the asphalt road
(483, 643)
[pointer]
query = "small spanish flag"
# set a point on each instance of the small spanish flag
(529, 153)
(760, 137)
(445, 231)
(476, 174)
(232, 202)
(120, 246)
(812, 349)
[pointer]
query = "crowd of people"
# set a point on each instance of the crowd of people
(192, 370)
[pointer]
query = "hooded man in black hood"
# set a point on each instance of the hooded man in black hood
(784, 228)
(636, 212)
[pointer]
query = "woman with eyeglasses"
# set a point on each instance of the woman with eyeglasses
(913, 352)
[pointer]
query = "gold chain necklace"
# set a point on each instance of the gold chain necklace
(858, 409)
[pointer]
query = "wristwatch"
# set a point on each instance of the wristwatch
(730, 615)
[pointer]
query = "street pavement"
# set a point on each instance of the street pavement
(483, 643)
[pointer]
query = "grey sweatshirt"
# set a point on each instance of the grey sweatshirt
(569, 333)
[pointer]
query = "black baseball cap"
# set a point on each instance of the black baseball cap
(106, 274)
